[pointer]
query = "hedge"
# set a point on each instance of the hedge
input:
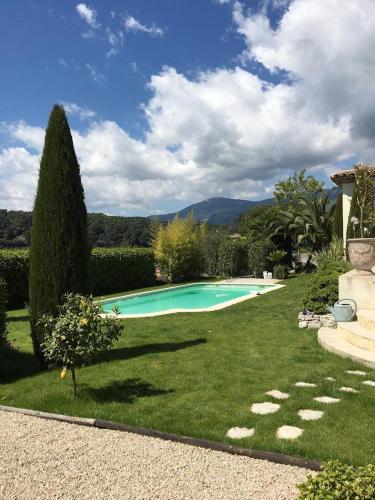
(111, 270)
(3, 316)
(114, 270)
(233, 258)
(14, 267)
(259, 250)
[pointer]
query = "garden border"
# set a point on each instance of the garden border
(269, 456)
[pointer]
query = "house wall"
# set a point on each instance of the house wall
(347, 194)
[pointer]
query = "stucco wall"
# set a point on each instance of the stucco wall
(347, 193)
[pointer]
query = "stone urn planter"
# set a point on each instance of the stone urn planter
(362, 255)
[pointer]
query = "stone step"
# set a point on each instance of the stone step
(331, 340)
(356, 334)
(366, 318)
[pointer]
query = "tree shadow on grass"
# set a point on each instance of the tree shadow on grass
(127, 391)
(141, 350)
(15, 364)
(12, 319)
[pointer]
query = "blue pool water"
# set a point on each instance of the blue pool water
(189, 297)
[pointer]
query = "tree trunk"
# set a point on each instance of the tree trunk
(74, 385)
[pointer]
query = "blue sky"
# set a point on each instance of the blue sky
(46, 56)
(174, 101)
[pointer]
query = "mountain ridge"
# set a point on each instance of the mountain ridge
(217, 210)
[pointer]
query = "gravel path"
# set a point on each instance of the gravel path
(52, 460)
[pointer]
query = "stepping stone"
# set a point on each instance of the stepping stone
(278, 394)
(331, 379)
(356, 372)
(348, 389)
(369, 382)
(264, 408)
(327, 400)
(240, 432)
(310, 414)
(304, 384)
(288, 432)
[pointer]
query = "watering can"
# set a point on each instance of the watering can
(343, 311)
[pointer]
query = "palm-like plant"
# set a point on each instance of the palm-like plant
(308, 222)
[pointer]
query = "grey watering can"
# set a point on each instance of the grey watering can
(343, 311)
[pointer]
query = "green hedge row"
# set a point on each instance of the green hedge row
(3, 317)
(14, 267)
(119, 269)
(111, 270)
(243, 257)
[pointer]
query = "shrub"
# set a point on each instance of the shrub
(258, 253)
(280, 271)
(59, 250)
(341, 481)
(14, 267)
(212, 243)
(78, 331)
(233, 257)
(331, 254)
(3, 318)
(114, 270)
(111, 270)
(178, 249)
(323, 287)
(277, 256)
(362, 209)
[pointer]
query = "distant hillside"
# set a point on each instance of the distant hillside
(104, 230)
(217, 210)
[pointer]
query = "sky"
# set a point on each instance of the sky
(172, 101)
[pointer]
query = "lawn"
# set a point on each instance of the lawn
(198, 374)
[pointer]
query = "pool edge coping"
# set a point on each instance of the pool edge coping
(269, 456)
(217, 307)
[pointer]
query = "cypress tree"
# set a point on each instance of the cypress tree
(337, 229)
(59, 246)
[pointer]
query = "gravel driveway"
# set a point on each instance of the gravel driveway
(43, 459)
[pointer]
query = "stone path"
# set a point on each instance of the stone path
(291, 432)
(49, 460)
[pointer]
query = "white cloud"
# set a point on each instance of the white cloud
(73, 109)
(62, 62)
(33, 137)
(95, 74)
(132, 24)
(88, 14)
(228, 132)
(116, 42)
(18, 178)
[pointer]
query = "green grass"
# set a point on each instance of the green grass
(198, 374)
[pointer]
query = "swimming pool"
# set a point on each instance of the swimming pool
(185, 298)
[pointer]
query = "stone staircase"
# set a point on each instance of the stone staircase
(354, 340)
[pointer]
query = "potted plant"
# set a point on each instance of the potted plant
(361, 250)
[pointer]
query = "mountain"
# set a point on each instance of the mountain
(217, 210)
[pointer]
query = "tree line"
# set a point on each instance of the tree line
(103, 230)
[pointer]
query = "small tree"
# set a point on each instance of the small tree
(362, 206)
(178, 248)
(78, 331)
(365, 196)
